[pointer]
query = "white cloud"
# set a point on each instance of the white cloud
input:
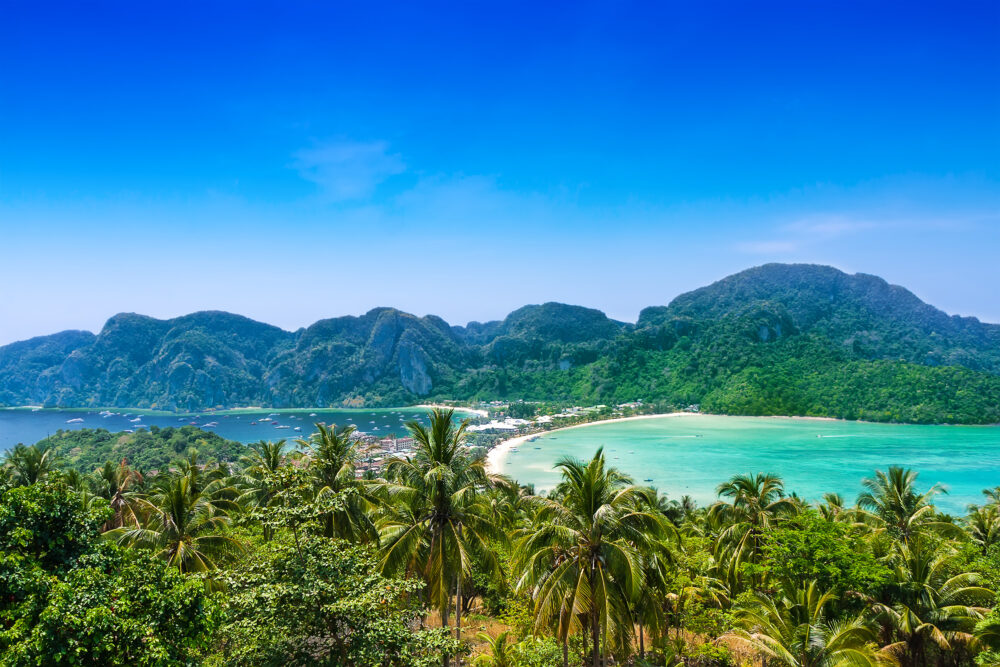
(348, 170)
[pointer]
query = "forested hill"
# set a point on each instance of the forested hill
(776, 339)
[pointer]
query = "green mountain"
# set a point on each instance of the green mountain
(776, 339)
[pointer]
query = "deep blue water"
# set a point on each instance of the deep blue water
(21, 425)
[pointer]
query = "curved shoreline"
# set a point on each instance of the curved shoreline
(494, 455)
(457, 408)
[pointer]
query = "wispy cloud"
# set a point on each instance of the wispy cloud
(771, 247)
(348, 170)
(807, 232)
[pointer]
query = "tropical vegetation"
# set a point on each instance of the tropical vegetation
(292, 554)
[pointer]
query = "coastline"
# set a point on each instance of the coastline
(493, 457)
(457, 408)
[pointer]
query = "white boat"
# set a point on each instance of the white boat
(282, 427)
(78, 420)
(298, 428)
(312, 414)
(135, 421)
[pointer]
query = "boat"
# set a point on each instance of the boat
(253, 423)
(298, 428)
(78, 420)
(282, 427)
(312, 414)
(648, 479)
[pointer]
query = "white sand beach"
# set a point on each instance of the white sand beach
(457, 408)
(495, 455)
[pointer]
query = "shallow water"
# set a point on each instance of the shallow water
(691, 455)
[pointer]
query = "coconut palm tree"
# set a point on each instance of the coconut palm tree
(28, 465)
(794, 628)
(891, 503)
(115, 484)
(185, 527)
(983, 526)
(501, 653)
(757, 502)
(583, 559)
(331, 457)
(926, 605)
(257, 479)
(435, 519)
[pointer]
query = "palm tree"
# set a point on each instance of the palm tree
(891, 503)
(435, 520)
(257, 482)
(331, 456)
(758, 501)
(583, 560)
(115, 484)
(925, 604)
(29, 465)
(500, 654)
(983, 525)
(794, 628)
(185, 527)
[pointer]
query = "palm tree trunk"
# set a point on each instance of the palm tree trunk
(596, 632)
(444, 624)
(458, 592)
(458, 596)
(642, 643)
(444, 611)
(565, 647)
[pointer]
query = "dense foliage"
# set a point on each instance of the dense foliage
(289, 556)
(152, 449)
(778, 339)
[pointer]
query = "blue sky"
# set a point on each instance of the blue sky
(293, 161)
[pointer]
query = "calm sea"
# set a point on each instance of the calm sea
(21, 425)
(691, 455)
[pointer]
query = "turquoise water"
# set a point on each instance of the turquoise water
(22, 425)
(691, 455)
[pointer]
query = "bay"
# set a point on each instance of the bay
(693, 454)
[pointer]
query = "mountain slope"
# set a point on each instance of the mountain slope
(775, 339)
